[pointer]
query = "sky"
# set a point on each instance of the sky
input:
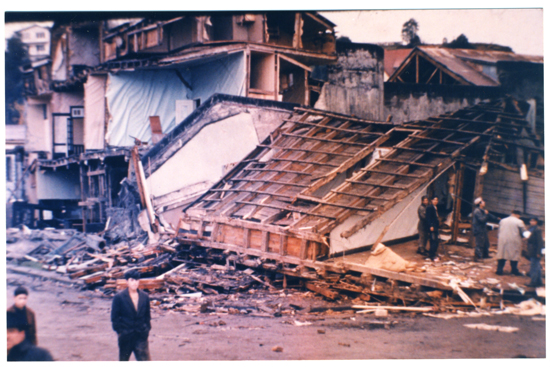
(520, 29)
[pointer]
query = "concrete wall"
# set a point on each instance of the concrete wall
(202, 158)
(408, 102)
(355, 83)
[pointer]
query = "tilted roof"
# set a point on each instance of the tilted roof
(319, 168)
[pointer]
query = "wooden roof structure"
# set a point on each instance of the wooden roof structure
(319, 168)
(441, 65)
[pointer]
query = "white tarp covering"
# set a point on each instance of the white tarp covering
(134, 96)
(94, 105)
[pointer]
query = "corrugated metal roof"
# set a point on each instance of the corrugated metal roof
(468, 63)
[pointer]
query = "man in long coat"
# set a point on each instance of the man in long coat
(131, 318)
(510, 234)
(479, 229)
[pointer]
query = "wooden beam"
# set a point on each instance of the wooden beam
(255, 192)
(360, 195)
(330, 294)
(292, 209)
(324, 202)
(391, 173)
(268, 181)
(377, 185)
(324, 140)
(360, 132)
(306, 150)
(420, 137)
(277, 170)
(422, 151)
(306, 162)
(406, 162)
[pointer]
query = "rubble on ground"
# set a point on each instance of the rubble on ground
(188, 278)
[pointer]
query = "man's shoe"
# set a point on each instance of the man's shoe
(517, 273)
(498, 272)
(486, 256)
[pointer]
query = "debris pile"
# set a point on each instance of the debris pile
(187, 277)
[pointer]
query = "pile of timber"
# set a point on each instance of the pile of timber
(188, 277)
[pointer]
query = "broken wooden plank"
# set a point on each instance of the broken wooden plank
(323, 291)
(394, 308)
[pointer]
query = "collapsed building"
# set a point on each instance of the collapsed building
(202, 126)
(322, 184)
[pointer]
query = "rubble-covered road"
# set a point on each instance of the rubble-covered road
(75, 326)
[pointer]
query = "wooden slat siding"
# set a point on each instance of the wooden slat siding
(255, 239)
(274, 243)
(215, 230)
(265, 240)
(246, 237)
(293, 246)
(303, 248)
(230, 234)
(282, 245)
(200, 232)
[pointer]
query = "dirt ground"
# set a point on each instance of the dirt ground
(75, 326)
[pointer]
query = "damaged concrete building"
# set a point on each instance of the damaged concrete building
(112, 83)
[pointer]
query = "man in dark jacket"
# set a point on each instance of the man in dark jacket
(19, 347)
(422, 233)
(479, 229)
(131, 318)
(24, 313)
(535, 244)
(432, 227)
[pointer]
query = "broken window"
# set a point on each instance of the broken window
(219, 27)
(262, 73)
(281, 28)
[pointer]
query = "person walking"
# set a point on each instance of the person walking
(26, 315)
(432, 225)
(535, 244)
(510, 234)
(479, 229)
(422, 233)
(19, 347)
(131, 319)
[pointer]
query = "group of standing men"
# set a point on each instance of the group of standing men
(511, 232)
(130, 317)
